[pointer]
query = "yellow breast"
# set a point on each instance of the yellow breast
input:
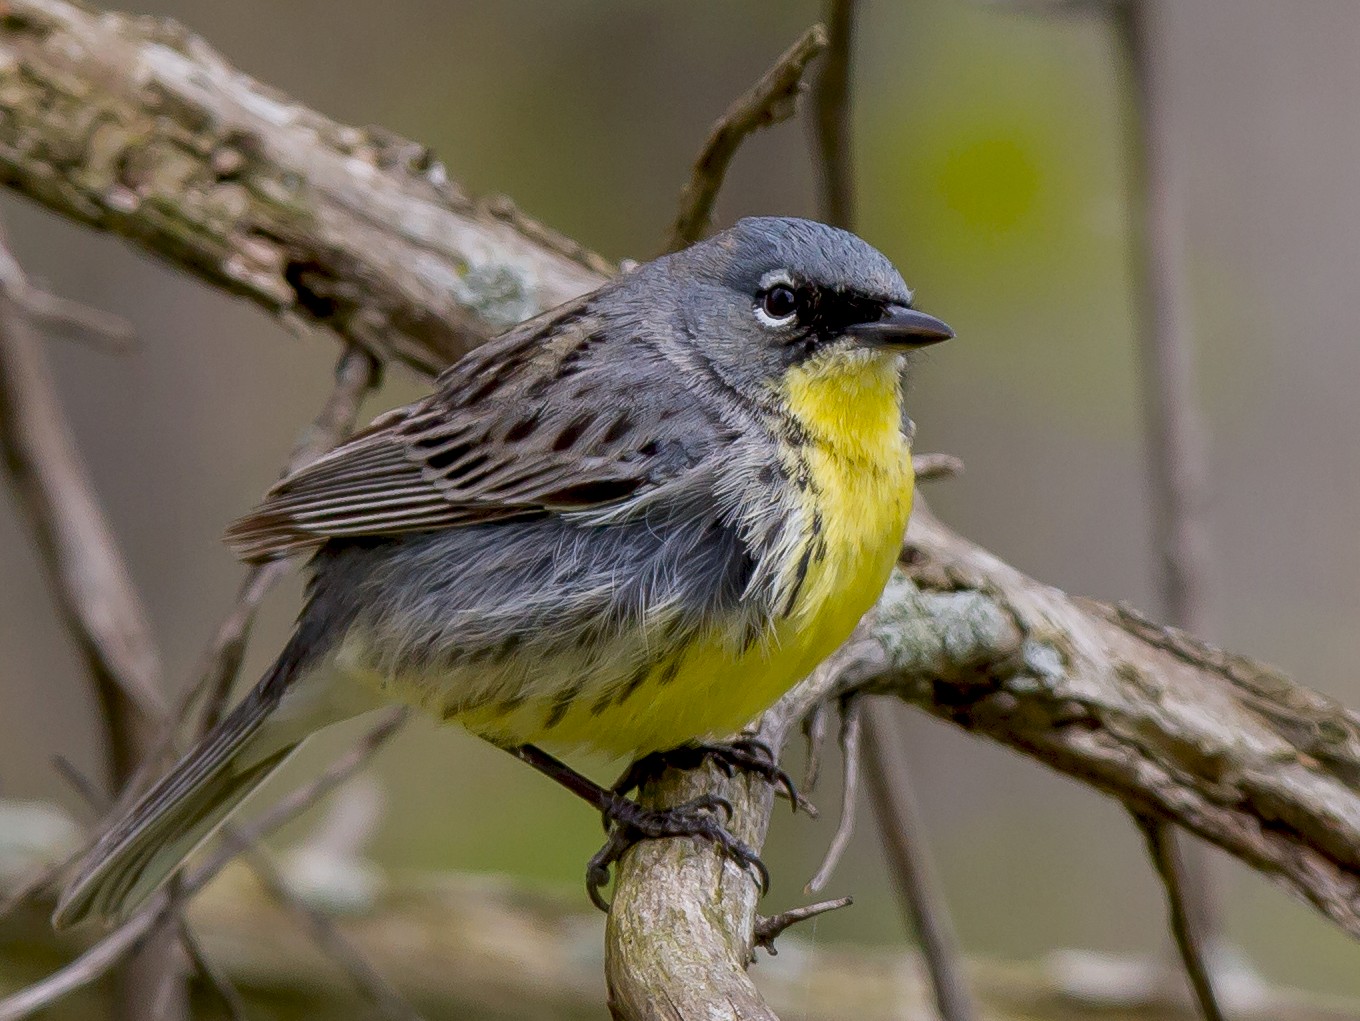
(859, 493)
(856, 499)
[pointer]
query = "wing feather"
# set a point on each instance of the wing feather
(537, 422)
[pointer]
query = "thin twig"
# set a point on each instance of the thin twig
(836, 164)
(767, 930)
(900, 828)
(772, 99)
(367, 979)
(96, 961)
(1166, 859)
(40, 880)
(934, 467)
(54, 314)
(222, 659)
(1175, 431)
(814, 736)
(226, 991)
(850, 757)
(95, 799)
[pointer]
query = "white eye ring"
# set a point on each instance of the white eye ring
(772, 285)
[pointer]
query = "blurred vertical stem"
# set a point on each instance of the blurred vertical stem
(1175, 433)
(899, 822)
(99, 605)
(913, 873)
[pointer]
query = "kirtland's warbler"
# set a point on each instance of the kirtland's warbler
(628, 525)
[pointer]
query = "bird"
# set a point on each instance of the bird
(627, 525)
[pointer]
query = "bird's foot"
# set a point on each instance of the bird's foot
(629, 823)
(745, 754)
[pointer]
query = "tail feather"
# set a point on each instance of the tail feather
(145, 845)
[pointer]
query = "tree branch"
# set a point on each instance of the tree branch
(94, 592)
(136, 126)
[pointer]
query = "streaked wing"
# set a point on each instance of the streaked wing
(538, 421)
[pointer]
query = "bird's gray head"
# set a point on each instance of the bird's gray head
(773, 292)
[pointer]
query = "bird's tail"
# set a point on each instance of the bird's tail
(145, 843)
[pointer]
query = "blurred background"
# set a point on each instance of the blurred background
(992, 155)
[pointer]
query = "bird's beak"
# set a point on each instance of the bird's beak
(901, 328)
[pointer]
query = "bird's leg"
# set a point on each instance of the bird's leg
(628, 822)
(746, 754)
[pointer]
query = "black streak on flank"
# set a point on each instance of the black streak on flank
(798, 577)
(639, 676)
(561, 704)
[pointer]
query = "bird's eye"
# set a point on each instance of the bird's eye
(778, 305)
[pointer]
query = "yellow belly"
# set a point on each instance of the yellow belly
(712, 691)
(860, 492)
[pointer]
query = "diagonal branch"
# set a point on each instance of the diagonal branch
(768, 101)
(136, 126)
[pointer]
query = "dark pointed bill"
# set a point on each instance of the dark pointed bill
(901, 328)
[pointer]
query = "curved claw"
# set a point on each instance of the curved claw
(633, 823)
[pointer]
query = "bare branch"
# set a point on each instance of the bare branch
(913, 872)
(769, 101)
(353, 228)
(935, 467)
(845, 829)
(96, 961)
(835, 161)
(1162, 850)
(1175, 431)
(770, 929)
(98, 602)
(227, 993)
(375, 989)
(94, 592)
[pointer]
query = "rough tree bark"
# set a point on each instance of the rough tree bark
(136, 126)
